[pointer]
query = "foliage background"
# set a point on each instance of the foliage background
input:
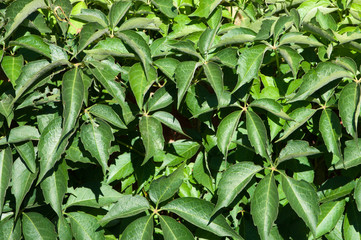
(180, 119)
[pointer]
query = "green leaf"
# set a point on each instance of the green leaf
(55, 186)
(264, 205)
(92, 15)
(167, 66)
(110, 46)
(6, 162)
(108, 114)
(186, 47)
(106, 74)
(18, 11)
(347, 63)
(315, 79)
(330, 129)
(72, 96)
(152, 136)
(36, 226)
(27, 153)
(249, 64)
(85, 226)
(122, 168)
(233, 180)
(141, 23)
(236, 36)
(227, 56)
(93, 196)
(12, 67)
(280, 26)
(299, 38)
(303, 200)
(184, 75)
(34, 43)
(141, 229)
(174, 230)
(166, 7)
(165, 187)
(257, 134)
(296, 149)
(214, 76)
(331, 212)
(96, 138)
(357, 194)
(23, 133)
(126, 206)
(348, 107)
(352, 222)
(184, 150)
(51, 146)
(205, 8)
(169, 120)
(206, 40)
(271, 106)
(292, 57)
(6, 107)
(352, 155)
(89, 33)
(139, 83)
(199, 212)
(140, 47)
(31, 72)
(300, 116)
(335, 188)
(201, 174)
(117, 12)
(22, 180)
(160, 99)
(9, 229)
(226, 129)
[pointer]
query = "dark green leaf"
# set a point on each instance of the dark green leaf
(174, 230)
(36, 226)
(12, 67)
(117, 12)
(108, 114)
(6, 162)
(214, 76)
(166, 7)
(152, 136)
(184, 75)
(296, 149)
(226, 130)
(85, 226)
(330, 129)
(141, 229)
(271, 106)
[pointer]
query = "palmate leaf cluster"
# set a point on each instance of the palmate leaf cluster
(180, 119)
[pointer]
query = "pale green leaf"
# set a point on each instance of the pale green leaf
(160, 99)
(303, 200)
(89, 33)
(139, 83)
(12, 67)
(330, 129)
(92, 196)
(236, 36)
(249, 64)
(108, 114)
(296, 149)
(173, 230)
(72, 97)
(85, 226)
(292, 57)
(201, 174)
(22, 180)
(96, 138)
(18, 11)
(117, 12)
(165, 187)
(169, 120)
(257, 134)
(206, 40)
(264, 205)
(352, 155)
(141, 23)
(51, 146)
(34, 43)
(184, 75)
(348, 107)
(331, 212)
(27, 153)
(352, 223)
(55, 186)
(205, 8)
(357, 194)
(199, 213)
(315, 79)
(166, 7)
(122, 168)
(10, 230)
(152, 136)
(126, 206)
(36, 226)
(271, 106)
(140, 229)
(233, 180)
(214, 76)
(226, 129)
(92, 15)
(6, 162)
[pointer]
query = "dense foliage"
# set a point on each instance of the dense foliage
(180, 119)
